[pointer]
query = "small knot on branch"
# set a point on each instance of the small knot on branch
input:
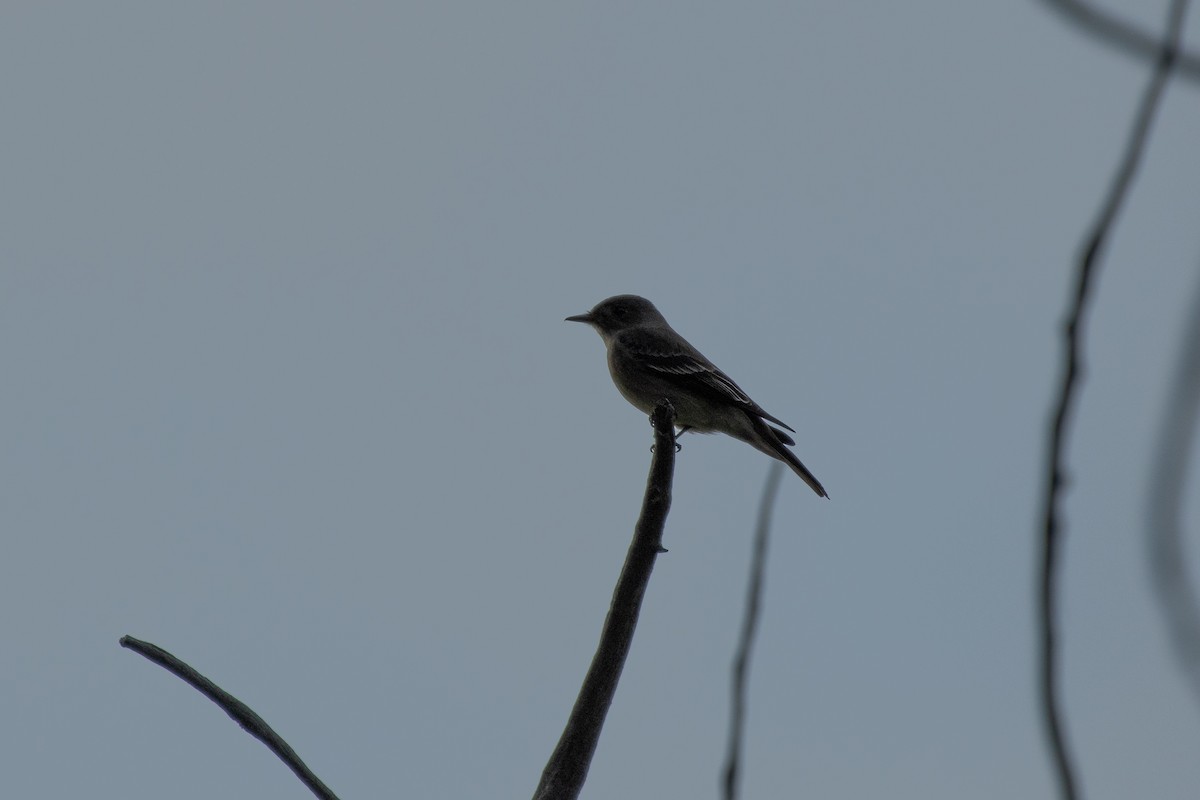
(663, 417)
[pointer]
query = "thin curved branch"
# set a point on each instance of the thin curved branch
(1055, 452)
(1120, 34)
(567, 769)
(741, 662)
(241, 713)
(1164, 506)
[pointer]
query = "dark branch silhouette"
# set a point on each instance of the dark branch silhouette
(741, 662)
(242, 714)
(1168, 476)
(568, 766)
(1122, 35)
(1055, 475)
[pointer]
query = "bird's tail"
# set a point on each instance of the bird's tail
(774, 443)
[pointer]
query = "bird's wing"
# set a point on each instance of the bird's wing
(691, 369)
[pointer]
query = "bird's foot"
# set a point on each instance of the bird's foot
(684, 429)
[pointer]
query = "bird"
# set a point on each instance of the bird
(649, 361)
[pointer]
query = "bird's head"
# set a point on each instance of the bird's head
(620, 312)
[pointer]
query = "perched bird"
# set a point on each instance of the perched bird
(648, 361)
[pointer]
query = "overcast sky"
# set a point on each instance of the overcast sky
(287, 391)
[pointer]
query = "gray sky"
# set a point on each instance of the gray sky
(288, 392)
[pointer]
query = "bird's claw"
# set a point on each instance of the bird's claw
(682, 430)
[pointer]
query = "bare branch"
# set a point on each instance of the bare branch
(1168, 565)
(1122, 35)
(242, 714)
(1073, 368)
(568, 766)
(741, 662)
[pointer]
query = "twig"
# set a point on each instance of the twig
(741, 662)
(1168, 476)
(252, 723)
(1055, 456)
(1122, 35)
(568, 766)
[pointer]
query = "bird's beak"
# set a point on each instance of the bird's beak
(580, 318)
